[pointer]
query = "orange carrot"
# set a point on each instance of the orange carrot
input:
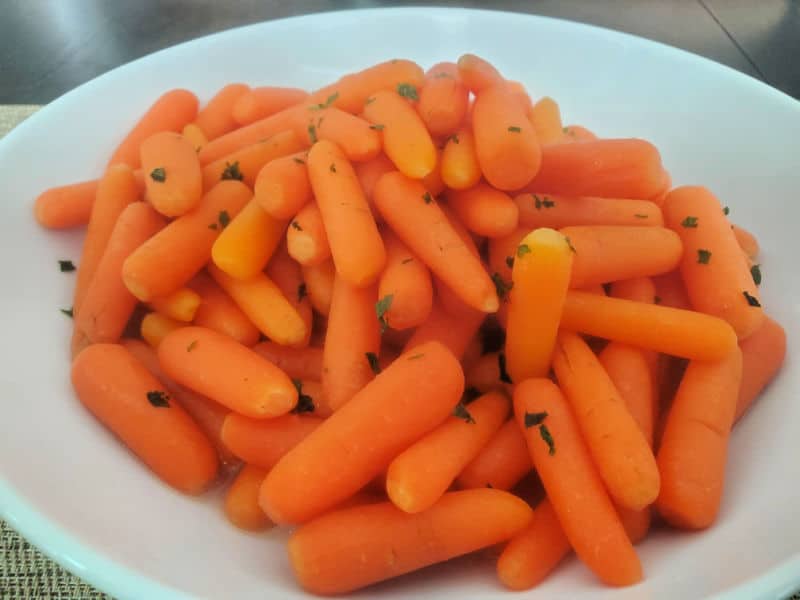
(282, 187)
(173, 181)
(423, 472)
(545, 116)
(476, 73)
(670, 290)
(414, 395)
(694, 445)
(319, 285)
(485, 210)
(195, 136)
(459, 163)
(543, 210)
(170, 112)
(443, 100)
(453, 331)
(485, 373)
(762, 357)
(532, 554)
(619, 448)
(356, 245)
(263, 442)
(219, 312)
(216, 118)
(306, 239)
(286, 274)
(241, 500)
(635, 522)
(518, 90)
(505, 142)
(630, 373)
(222, 369)
(358, 140)
(471, 354)
(638, 289)
(297, 363)
(503, 252)
(576, 133)
(408, 282)
(501, 463)
(420, 223)
(181, 305)
(572, 483)
(122, 394)
(433, 181)
(153, 269)
(368, 174)
(348, 549)
(717, 279)
(747, 241)
(261, 102)
(155, 327)
(66, 206)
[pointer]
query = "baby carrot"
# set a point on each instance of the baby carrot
(368, 174)
(617, 445)
(241, 500)
(108, 304)
(443, 100)
(501, 463)
(694, 445)
(195, 136)
(638, 289)
(747, 241)
(518, 90)
(297, 363)
(717, 279)
(433, 181)
(306, 239)
(352, 336)
(533, 553)
(116, 190)
(356, 245)
(606, 253)
(540, 276)
(453, 331)
(122, 394)
(348, 549)
(572, 483)
(576, 133)
(420, 223)
(505, 142)
(358, 140)
(66, 206)
(485, 373)
(545, 116)
(153, 269)
(246, 244)
(219, 312)
(423, 472)
(219, 367)
(476, 73)
(485, 210)
(459, 163)
(544, 210)
(762, 357)
(181, 305)
(282, 187)
(155, 327)
(670, 290)
(265, 305)
(287, 275)
(170, 112)
(319, 285)
(261, 102)
(635, 522)
(404, 402)
(683, 333)
(502, 255)
(172, 176)
(216, 117)
(263, 442)
(630, 373)
(408, 282)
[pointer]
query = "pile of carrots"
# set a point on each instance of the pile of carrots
(415, 315)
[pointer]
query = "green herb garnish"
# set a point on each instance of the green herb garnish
(372, 359)
(158, 174)
(703, 256)
(751, 300)
(461, 412)
(158, 399)
(501, 366)
(231, 171)
(406, 90)
(689, 222)
(381, 307)
(65, 266)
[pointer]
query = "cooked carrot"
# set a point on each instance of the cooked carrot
(636, 522)
(216, 118)
(717, 279)
(313, 393)
(694, 446)
(66, 206)
(195, 136)
(673, 331)
(443, 100)
(155, 327)
(348, 549)
(423, 472)
(219, 312)
(287, 275)
(485, 374)
(154, 269)
(306, 238)
(471, 354)
(356, 245)
(485, 210)
(501, 463)
(358, 140)
(663, 189)
(319, 285)
(246, 244)
(172, 176)
(454, 332)
(611, 168)
(297, 363)
(618, 447)
(631, 374)
(263, 442)
(670, 290)
(747, 241)
(405, 140)
(241, 500)
(433, 181)
(545, 116)
(505, 142)
(638, 289)
(219, 367)
(368, 174)
(352, 91)
(420, 223)
(576, 133)
(459, 162)
(408, 282)
(266, 306)
(533, 553)
(122, 394)
(573, 484)
(261, 102)
(181, 305)
(404, 402)
(762, 357)
(544, 210)
(540, 276)
(108, 304)
(245, 163)
(476, 73)
(282, 187)
(605, 253)
(503, 252)
(352, 335)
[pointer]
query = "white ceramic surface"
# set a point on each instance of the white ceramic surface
(69, 487)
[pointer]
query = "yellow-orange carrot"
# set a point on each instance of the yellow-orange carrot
(282, 187)
(358, 140)
(545, 116)
(408, 282)
(485, 210)
(306, 239)
(459, 162)
(195, 136)
(297, 363)
(263, 442)
(443, 100)
(66, 206)
(501, 463)
(241, 500)
(287, 275)
(172, 176)
(545, 210)
(477, 73)
(219, 312)
(216, 117)
(762, 357)
(181, 305)
(262, 102)
(155, 327)
(319, 285)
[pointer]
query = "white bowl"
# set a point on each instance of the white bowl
(74, 491)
